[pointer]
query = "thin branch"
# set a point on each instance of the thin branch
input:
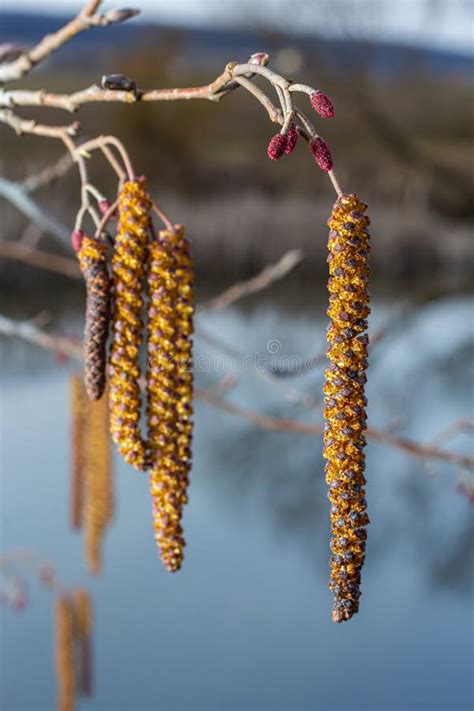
(14, 193)
(249, 362)
(21, 126)
(84, 20)
(275, 114)
(277, 424)
(270, 274)
(29, 332)
(37, 258)
(48, 175)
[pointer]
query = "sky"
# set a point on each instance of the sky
(435, 23)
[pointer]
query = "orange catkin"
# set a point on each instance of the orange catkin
(345, 401)
(169, 386)
(64, 653)
(128, 272)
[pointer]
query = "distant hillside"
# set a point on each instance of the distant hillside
(215, 46)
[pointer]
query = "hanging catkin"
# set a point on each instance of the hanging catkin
(98, 501)
(345, 401)
(169, 385)
(93, 262)
(64, 653)
(78, 404)
(128, 271)
(82, 633)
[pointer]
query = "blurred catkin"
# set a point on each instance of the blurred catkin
(128, 271)
(64, 653)
(82, 633)
(78, 405)
(98, 500)
(169, 386)
(345, 401)
(93, 262)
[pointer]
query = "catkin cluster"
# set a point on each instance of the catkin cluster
(345, 401)
(93, 262)
(128, 272)
(169, 387)
(164, 264)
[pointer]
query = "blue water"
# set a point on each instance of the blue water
(245, 626)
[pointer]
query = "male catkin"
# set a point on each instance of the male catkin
(98, 500)
(128, 271)
(64, 653)
(93, 262)
(82, 633)
(345, 401)
(78, 405)
(169, 385)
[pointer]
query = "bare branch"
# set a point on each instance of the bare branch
(48, 175)
(14, 193)
(29, 332)
(49, 44)
(37, 258)
(270, 274)
(277, 424)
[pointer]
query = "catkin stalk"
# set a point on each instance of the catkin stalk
(345, 400)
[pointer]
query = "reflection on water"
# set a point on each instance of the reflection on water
(245, 626)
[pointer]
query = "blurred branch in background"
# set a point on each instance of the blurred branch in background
(33, 334)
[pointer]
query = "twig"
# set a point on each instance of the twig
(270, 274)
(464, 425)
(48, 175)
(37, 258)
(14, 193)
(420, 451)
(296, 397)
(49, 44)
(29, 332)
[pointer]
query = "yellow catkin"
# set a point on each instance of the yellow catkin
(128, 271)
(169, 386)
(78, 403)
(98, 501)
(345, 401)
(64, 653)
